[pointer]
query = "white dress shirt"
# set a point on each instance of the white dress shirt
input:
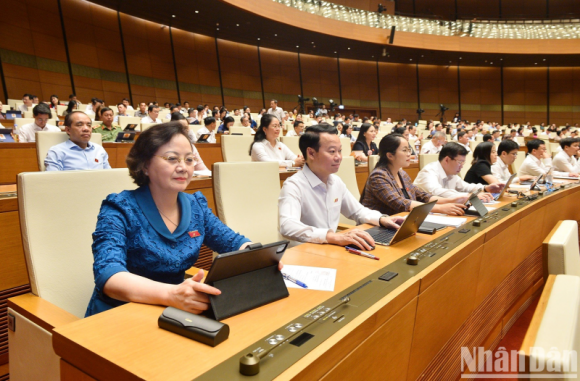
(148, 119)
(533, 166)
(205, 130)
(263, 151)
(433, 179)
(23, 109)
(466, 147)
(429, 148)
(26, 134)
(116, 118)
(309, 209)
(292, 132)
(278, 113)
(500, 171)
(563, 162)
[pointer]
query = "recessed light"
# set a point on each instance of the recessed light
(297, 46)
(217, 28)
(258, 38)
(334, 52)
(312, 42)
(535, 63)
(373, 57)
(501, 59)
(544, 59)
(460, 58)
(237, 24)
(410, 59)
(348, 48)
(275, 35)
(491, 63)
(422, 56)
(196, 11)
(172, 15)
(217, 24)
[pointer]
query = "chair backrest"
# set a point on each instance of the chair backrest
(518, 162)
(526, 132)
(473, 144)
(56, 238)
(355, 134)
(560, 250)
(236, 148)
(125, 120)
(346, 149)
(373, 160)
(292, 143)
(554, 147)
(195, 127)
(115, 109)
(28, 114)
(12, 102)
(520, 139)
(467, 165)
(246, 198)
(478, 138)
(237, 120)
(46, 140)
(145, 126)
(240, 130)
(555, 324)
(427, 158)
(60, 109)
(347, 173)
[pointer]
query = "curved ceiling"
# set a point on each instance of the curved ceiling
(226, 20)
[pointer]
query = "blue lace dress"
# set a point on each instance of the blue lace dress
(131, 236)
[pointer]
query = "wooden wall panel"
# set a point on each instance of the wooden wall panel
(281, 77)
(481, 93)
(320, 77)
(525, 95)
(563, 86)
(186, 62)
(438, 85)
(523, 8)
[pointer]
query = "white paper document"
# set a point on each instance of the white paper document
(489, 208)
(566, 177)
(519, 187)
(316, 278)
(205, 172)
(491, 202)
(447, 221)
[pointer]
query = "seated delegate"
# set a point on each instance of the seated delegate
(42, 114)
(484, 155)
(78, 152)
(312, 200)
(266, 146)
(533, 164)
(145, 239)
(441, 178)
(507, 152)
(108, 129)
(364, 145)
(435, 145)
(565, 160)
(389, 188)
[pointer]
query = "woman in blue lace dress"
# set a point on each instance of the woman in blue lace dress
(145, 239)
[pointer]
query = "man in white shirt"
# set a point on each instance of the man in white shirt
(507, 152)
(27, 133)
(565, 160)
(312, 200)
(122, 112)
(441, 177)
(435, 145)
(275, 110)
(127, 105)
(533, 165)
(298, 129)
(463, 139)
(153, 115)
(245, 120)
(210, 126)
(27, 103)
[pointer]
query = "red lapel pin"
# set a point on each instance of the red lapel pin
(194, 234)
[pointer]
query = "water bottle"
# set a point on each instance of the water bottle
(550, 178)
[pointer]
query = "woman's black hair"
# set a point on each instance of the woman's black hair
(389, 144)
(70, 107)
(265, 121)
(228, 119)
(483, 152)
(147, 145)
(363, 129)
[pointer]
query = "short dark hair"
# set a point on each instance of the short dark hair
(209, 120)
(125, 99)
(176, 116)
(29, 96)
(148, 143)
(311, 137)
(297, 122)
(461, 134)
(200, 108)
(41, 109)
(151, 107)
(121, 104)
(388, 144)
(507, 146)
(534, 144)
(452, 150)
(487, 137)
(483, 152)
(567, 142)
(105, 109)
(398, 131)
(68, 118)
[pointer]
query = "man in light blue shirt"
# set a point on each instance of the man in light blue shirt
(77, 152)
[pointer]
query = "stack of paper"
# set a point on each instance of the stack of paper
(316, 278)
(447, 221)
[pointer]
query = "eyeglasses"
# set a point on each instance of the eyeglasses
(174, 160)
(460, 162)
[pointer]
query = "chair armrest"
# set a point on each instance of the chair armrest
(41, 312)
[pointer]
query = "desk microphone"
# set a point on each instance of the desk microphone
(250, 363)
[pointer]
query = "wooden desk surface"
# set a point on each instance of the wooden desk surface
(135, 348)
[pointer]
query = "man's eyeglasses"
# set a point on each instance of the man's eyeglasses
(174, 160)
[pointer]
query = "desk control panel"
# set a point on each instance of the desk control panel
(273, 354)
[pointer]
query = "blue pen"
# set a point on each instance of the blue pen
(289, 278)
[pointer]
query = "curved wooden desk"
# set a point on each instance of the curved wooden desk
(469, 297)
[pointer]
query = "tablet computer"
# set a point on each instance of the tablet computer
(125, 137)
(130, 127)
(239, 262)
(203, 138)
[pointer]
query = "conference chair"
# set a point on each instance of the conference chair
(520, 140)
(347, 173)
(246, 131)
(236, 148)
(28, 114)
(560, 250)
(555, 325)
(425, 159)
(373, 160)
(237, 121)
(115, 109)
(467, 165)
(145, 126)
(22, 121)
(60, 109)
(125, 120)
(355, 134)
(46, 140)
(12, 103)
(346, 148)
(246, 198)
(479, 138)
(56, 238)
(518, 162)
(473, 144)
(292, 143)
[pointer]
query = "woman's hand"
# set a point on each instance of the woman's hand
(190, 295)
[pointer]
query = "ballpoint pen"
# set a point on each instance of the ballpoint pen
(361, 253)
(289, 278)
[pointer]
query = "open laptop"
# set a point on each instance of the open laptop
(389, 237)
(497, 196)
(478, 208)
(6, 135)
(125, 137)
(536, 182)
(203, 138)
(12, 114)
(130, 127)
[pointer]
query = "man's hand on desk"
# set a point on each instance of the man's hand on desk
(572, 174)
(357, 237)
(493, 188)
(450, 209)
(526, 178)
(391, 222)
(485, 197)
(190, 295)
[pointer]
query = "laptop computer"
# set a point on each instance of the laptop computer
(12, 114)
(203, 138)
(130, 127)
(497, 196)
(536, 182)
(478, 208)
(6, 135)
(125, 137)
(389, 237)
